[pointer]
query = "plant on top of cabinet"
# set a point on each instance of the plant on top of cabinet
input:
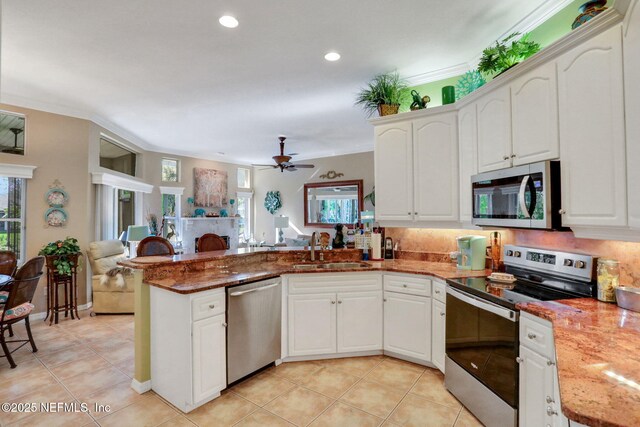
(498, 58)
(470, 81)
(384, 94)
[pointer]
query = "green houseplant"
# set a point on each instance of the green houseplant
(384, 94)
(498, 58)
(63, 254)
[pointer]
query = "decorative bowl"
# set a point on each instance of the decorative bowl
(628, 298)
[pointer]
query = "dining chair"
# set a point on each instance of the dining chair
(154, 246)
(19, 305)
(8, 262)
(211, 242)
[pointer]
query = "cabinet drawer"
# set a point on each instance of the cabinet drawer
(537, 335)
(440, 291)
(208, 305)
(327, 282)
(407, 285)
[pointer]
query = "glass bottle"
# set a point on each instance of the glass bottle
(608, 279)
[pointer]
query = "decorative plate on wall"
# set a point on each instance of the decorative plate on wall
(55, 217)
(272, 201)
(57, 197)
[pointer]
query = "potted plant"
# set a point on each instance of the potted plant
(384, 94)
(500, 57)
(63, 255)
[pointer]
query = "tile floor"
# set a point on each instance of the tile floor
(91, 361)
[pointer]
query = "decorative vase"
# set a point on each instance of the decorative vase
(448, 95)
(588, 11)
(388, 109)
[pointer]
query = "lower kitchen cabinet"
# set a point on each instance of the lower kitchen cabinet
(312, 324)
(359, 321)
(407, 325)
(438, 334)
(209, 355)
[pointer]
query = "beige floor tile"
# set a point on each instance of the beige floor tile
(263, 388)
(374, 398)
(90, 382)
(56, 344)
(262, 418)
(127, 367)
(340, 414)
(65, 355)
(23, 368)
(296, 371)
(405, 364)
(106, 346)
(55, 419)
(330, 382)
(52, 393)
(466, 419)
(19, 355)
(117, 396)
(20, 385)
(431, 387)
(91, 363)
(299, 406)
(179, 421)
(358, 366)
(226, 410)
(148, 411)
(417, 411)
(398, 375)
(121, 354)
(390, 424)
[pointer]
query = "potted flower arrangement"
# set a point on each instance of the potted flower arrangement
(384, 94)
(500, 57)
(62, 255)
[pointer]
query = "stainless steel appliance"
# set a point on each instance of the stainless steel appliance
(254, 312)
(482, 339)
(521, 197)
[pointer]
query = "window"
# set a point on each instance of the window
(170, 170)
(244, 210)
(117, 158)
(12, 133)
(12, 199)
(126, 213)
(244, 178)
(171, 213)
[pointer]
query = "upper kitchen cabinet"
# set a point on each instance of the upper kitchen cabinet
(592, 132)
(435, 165)
(394, 172)
(468, 145)
(534, 116)
(494, 130)
(631, 46)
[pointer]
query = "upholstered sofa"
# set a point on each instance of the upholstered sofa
(109, 296)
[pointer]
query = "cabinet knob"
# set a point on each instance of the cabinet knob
(224, 324)
(513, 156)
(384, 300)
(550, 399)
(212, 306)
(519, 359)
(442, 314)
(437, 291)
(550, 363)
(333, 302)
(339, 302)
(415, 213)
(408, 213)
(531, 336)
(404, 286)
(551, 411)
(562, 212)
(505, 158)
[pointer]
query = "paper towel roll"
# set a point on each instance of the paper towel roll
(376, 246)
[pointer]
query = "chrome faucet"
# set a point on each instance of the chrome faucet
(313, 246)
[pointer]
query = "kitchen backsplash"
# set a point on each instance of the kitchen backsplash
(444, 241)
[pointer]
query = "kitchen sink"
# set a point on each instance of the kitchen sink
(331, 266)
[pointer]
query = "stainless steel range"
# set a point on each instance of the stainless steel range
(482, 326)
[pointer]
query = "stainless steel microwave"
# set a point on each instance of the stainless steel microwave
(525, 196)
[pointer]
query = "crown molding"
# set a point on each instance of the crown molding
(16, 171)
(178, 191)
(441, 74)
(121, 182)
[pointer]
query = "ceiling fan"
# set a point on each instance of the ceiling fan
(15, 149)
(283, 160)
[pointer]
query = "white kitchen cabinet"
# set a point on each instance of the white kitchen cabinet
(393, 160)
(359, 321)
(494, 130)
(592, 132)
(468, 147)
(312, 324)
(438, 334)
(631, 46)
(534, 116)
(209, 357)
(407, 325)
(435, 168)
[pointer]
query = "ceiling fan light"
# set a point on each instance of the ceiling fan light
(228, 21)
(332, 56)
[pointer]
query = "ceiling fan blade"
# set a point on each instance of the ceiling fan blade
(292, 154)
(302, 166)
(266, 166)
(291, 169)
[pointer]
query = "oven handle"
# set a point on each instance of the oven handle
(483, 305)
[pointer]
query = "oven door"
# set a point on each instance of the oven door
(482, 338)
(516, 197)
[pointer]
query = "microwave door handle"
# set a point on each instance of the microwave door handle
(532, 199)
(521, 198)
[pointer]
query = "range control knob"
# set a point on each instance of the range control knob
(517, 254)
(509, 252)
(579, 264)
(568, 262)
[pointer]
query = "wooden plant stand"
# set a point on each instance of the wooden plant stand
(70, 283)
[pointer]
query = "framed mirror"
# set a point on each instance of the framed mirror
(329, 203)
(12, 130)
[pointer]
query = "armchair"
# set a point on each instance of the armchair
(111, 293)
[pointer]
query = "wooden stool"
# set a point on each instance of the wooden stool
(70, 284)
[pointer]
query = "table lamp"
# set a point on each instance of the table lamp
(135, 233)
(281, 222)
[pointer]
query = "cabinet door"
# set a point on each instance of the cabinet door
(435, 165)
(394, 172)
(209, 357)
(359, 321)
(468, 141)
(536, 383)
(534, 109)
(312, 324)
(407, 325)
(494, 130)
(592, 141)
(438, 334)
(631, 42)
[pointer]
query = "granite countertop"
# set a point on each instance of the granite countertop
(212, 278)
(598, 359)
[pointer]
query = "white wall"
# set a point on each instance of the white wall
(291, 185)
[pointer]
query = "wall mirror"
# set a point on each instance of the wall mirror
(330, 203)
(12, 133)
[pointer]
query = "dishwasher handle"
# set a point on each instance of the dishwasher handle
(263, 288)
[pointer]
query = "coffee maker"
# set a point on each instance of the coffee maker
(472, 251)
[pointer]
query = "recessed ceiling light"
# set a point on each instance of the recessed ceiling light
(228, 21)
(332, 56)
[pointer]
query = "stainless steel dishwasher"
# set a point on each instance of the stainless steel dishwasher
(254, 314)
